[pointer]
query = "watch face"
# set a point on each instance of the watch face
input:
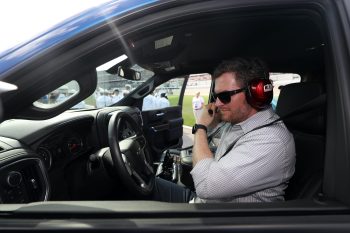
(194, 129)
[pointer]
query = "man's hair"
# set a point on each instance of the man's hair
(245, 69)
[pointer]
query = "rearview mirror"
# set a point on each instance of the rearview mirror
(128, 73)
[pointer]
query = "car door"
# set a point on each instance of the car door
(163, 121)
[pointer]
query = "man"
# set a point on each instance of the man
(104, 99)
(150, 102)
(163, 101)
(197, 105)
(63, 94)
(260, 163)
(116, 96)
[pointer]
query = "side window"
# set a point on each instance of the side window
(195, 97)
(279, 80)
(59, 96)
(165, 95)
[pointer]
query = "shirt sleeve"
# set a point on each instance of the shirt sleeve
(256, 162)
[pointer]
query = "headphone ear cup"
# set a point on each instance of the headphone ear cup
(259, 93)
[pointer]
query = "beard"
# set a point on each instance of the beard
(234, 117)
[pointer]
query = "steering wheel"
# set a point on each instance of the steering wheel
(130, 155)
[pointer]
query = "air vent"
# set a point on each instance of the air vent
(23, 181)
(33, 183)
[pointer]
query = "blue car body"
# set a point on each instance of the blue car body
(66, 30)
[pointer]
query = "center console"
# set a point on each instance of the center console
(176, 166)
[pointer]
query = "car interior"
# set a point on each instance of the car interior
(59, 154)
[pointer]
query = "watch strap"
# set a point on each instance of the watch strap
(198, 126)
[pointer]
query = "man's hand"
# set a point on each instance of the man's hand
(210, 116)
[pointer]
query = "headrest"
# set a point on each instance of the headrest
(295, 95)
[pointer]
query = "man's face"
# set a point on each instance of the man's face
(237, 110)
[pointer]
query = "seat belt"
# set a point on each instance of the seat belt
(308, 106)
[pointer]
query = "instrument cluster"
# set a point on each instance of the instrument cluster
(61, 148)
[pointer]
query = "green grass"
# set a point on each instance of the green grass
(187, 112)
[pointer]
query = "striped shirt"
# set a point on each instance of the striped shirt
(258, 167)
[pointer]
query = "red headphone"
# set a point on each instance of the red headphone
(259, 93)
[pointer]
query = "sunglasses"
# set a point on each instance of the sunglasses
(225, 96)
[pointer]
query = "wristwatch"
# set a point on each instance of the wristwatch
(198, 126)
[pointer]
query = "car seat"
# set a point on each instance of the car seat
(308, 129)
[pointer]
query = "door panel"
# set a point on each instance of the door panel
(163, 129)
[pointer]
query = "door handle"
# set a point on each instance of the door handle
(160, 114)
(160, 128)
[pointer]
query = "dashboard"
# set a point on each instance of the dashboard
(47, 160)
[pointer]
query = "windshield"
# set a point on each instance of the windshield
(111, 88)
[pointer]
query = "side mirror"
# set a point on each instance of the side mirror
(129, 74)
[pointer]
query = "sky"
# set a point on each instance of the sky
(21, 20)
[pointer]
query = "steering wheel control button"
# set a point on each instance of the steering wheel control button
(14, 178)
